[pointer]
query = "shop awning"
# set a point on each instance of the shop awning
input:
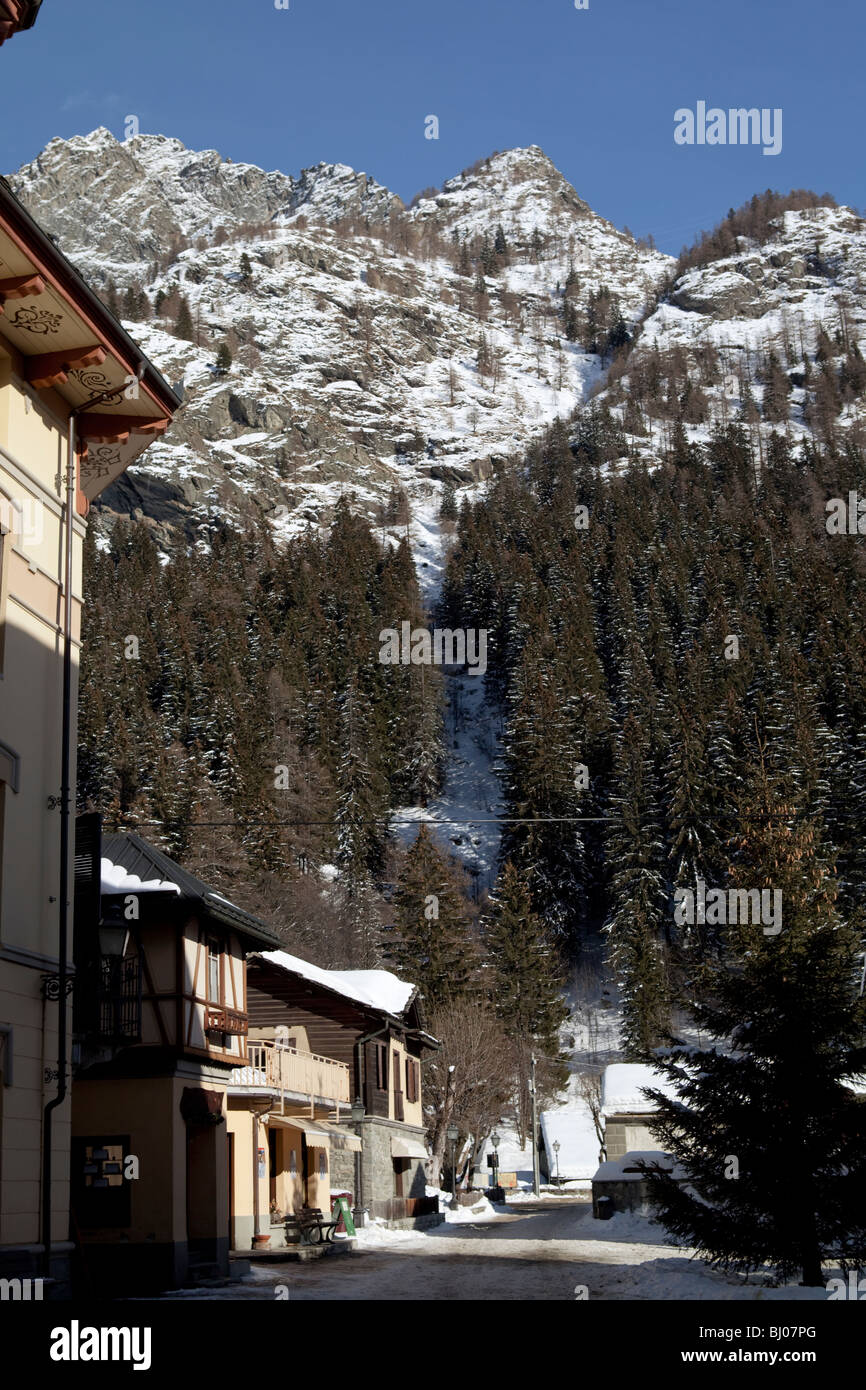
(341, 1138)
(408, 1148)
(313, 1132)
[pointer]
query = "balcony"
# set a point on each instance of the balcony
(107, 1000)
(287, 1070)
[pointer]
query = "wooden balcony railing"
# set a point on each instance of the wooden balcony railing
(288, 1069)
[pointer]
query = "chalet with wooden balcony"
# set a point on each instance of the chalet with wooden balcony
(159, 1028)
(369, 1023)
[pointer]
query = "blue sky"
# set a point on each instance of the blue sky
(342, 80)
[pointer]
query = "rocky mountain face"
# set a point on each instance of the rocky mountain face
(377, 349)
(772, 335)
(373, 347)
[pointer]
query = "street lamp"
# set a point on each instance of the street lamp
(113, 932)
(358, 1112)
(453, 1134)
(556, 1153)
(495, 1140)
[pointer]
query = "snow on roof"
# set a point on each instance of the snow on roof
(625, 1168)
(622, 1084)
(115, 879)
(377, 989)
(570, 1125)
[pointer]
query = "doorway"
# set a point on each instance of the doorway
(230, 1165)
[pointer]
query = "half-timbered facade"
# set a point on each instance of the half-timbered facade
(160, 1024)
(78, 402)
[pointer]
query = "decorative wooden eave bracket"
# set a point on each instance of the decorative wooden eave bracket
(116, 429)
(20, 287)
(53, 368)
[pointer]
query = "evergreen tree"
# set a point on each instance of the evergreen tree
(777, 389)
(770, 1137)
(448, 504)
(639, 898)
(183, 327)
(224, 358)
(434, 945)
(526, 981)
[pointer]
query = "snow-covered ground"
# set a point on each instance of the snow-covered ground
(550, 1250)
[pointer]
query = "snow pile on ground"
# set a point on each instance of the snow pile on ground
(481, 1210)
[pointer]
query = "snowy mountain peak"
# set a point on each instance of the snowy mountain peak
(519, 189)
(368, 351)
(330, 192)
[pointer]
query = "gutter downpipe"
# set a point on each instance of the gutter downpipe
(65, 812)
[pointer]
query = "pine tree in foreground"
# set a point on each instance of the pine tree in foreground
(772, 1139)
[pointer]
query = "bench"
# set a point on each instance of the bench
(309, 1225)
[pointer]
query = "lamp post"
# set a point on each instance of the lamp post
(556, 1153)
(495, 1139)
(358, 1112)
(536, 1182)
(453, 1134)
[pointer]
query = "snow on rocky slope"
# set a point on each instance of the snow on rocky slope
(355, 342)
(771, 296)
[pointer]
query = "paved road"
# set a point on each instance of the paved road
(544, 1253)
(552, 1250)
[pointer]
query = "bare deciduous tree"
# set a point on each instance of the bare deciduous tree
(470, 1080)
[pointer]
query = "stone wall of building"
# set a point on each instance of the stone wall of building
(625, 1134)
(377, 1164)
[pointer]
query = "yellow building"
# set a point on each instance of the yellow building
(78, 402)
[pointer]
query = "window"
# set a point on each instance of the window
(401, 1169)
(214, 962)
(411, 1080)
(382, 1066)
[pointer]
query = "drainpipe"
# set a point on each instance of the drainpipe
(65, 815)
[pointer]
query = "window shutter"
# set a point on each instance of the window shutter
(382, 1066)
(88, 855)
